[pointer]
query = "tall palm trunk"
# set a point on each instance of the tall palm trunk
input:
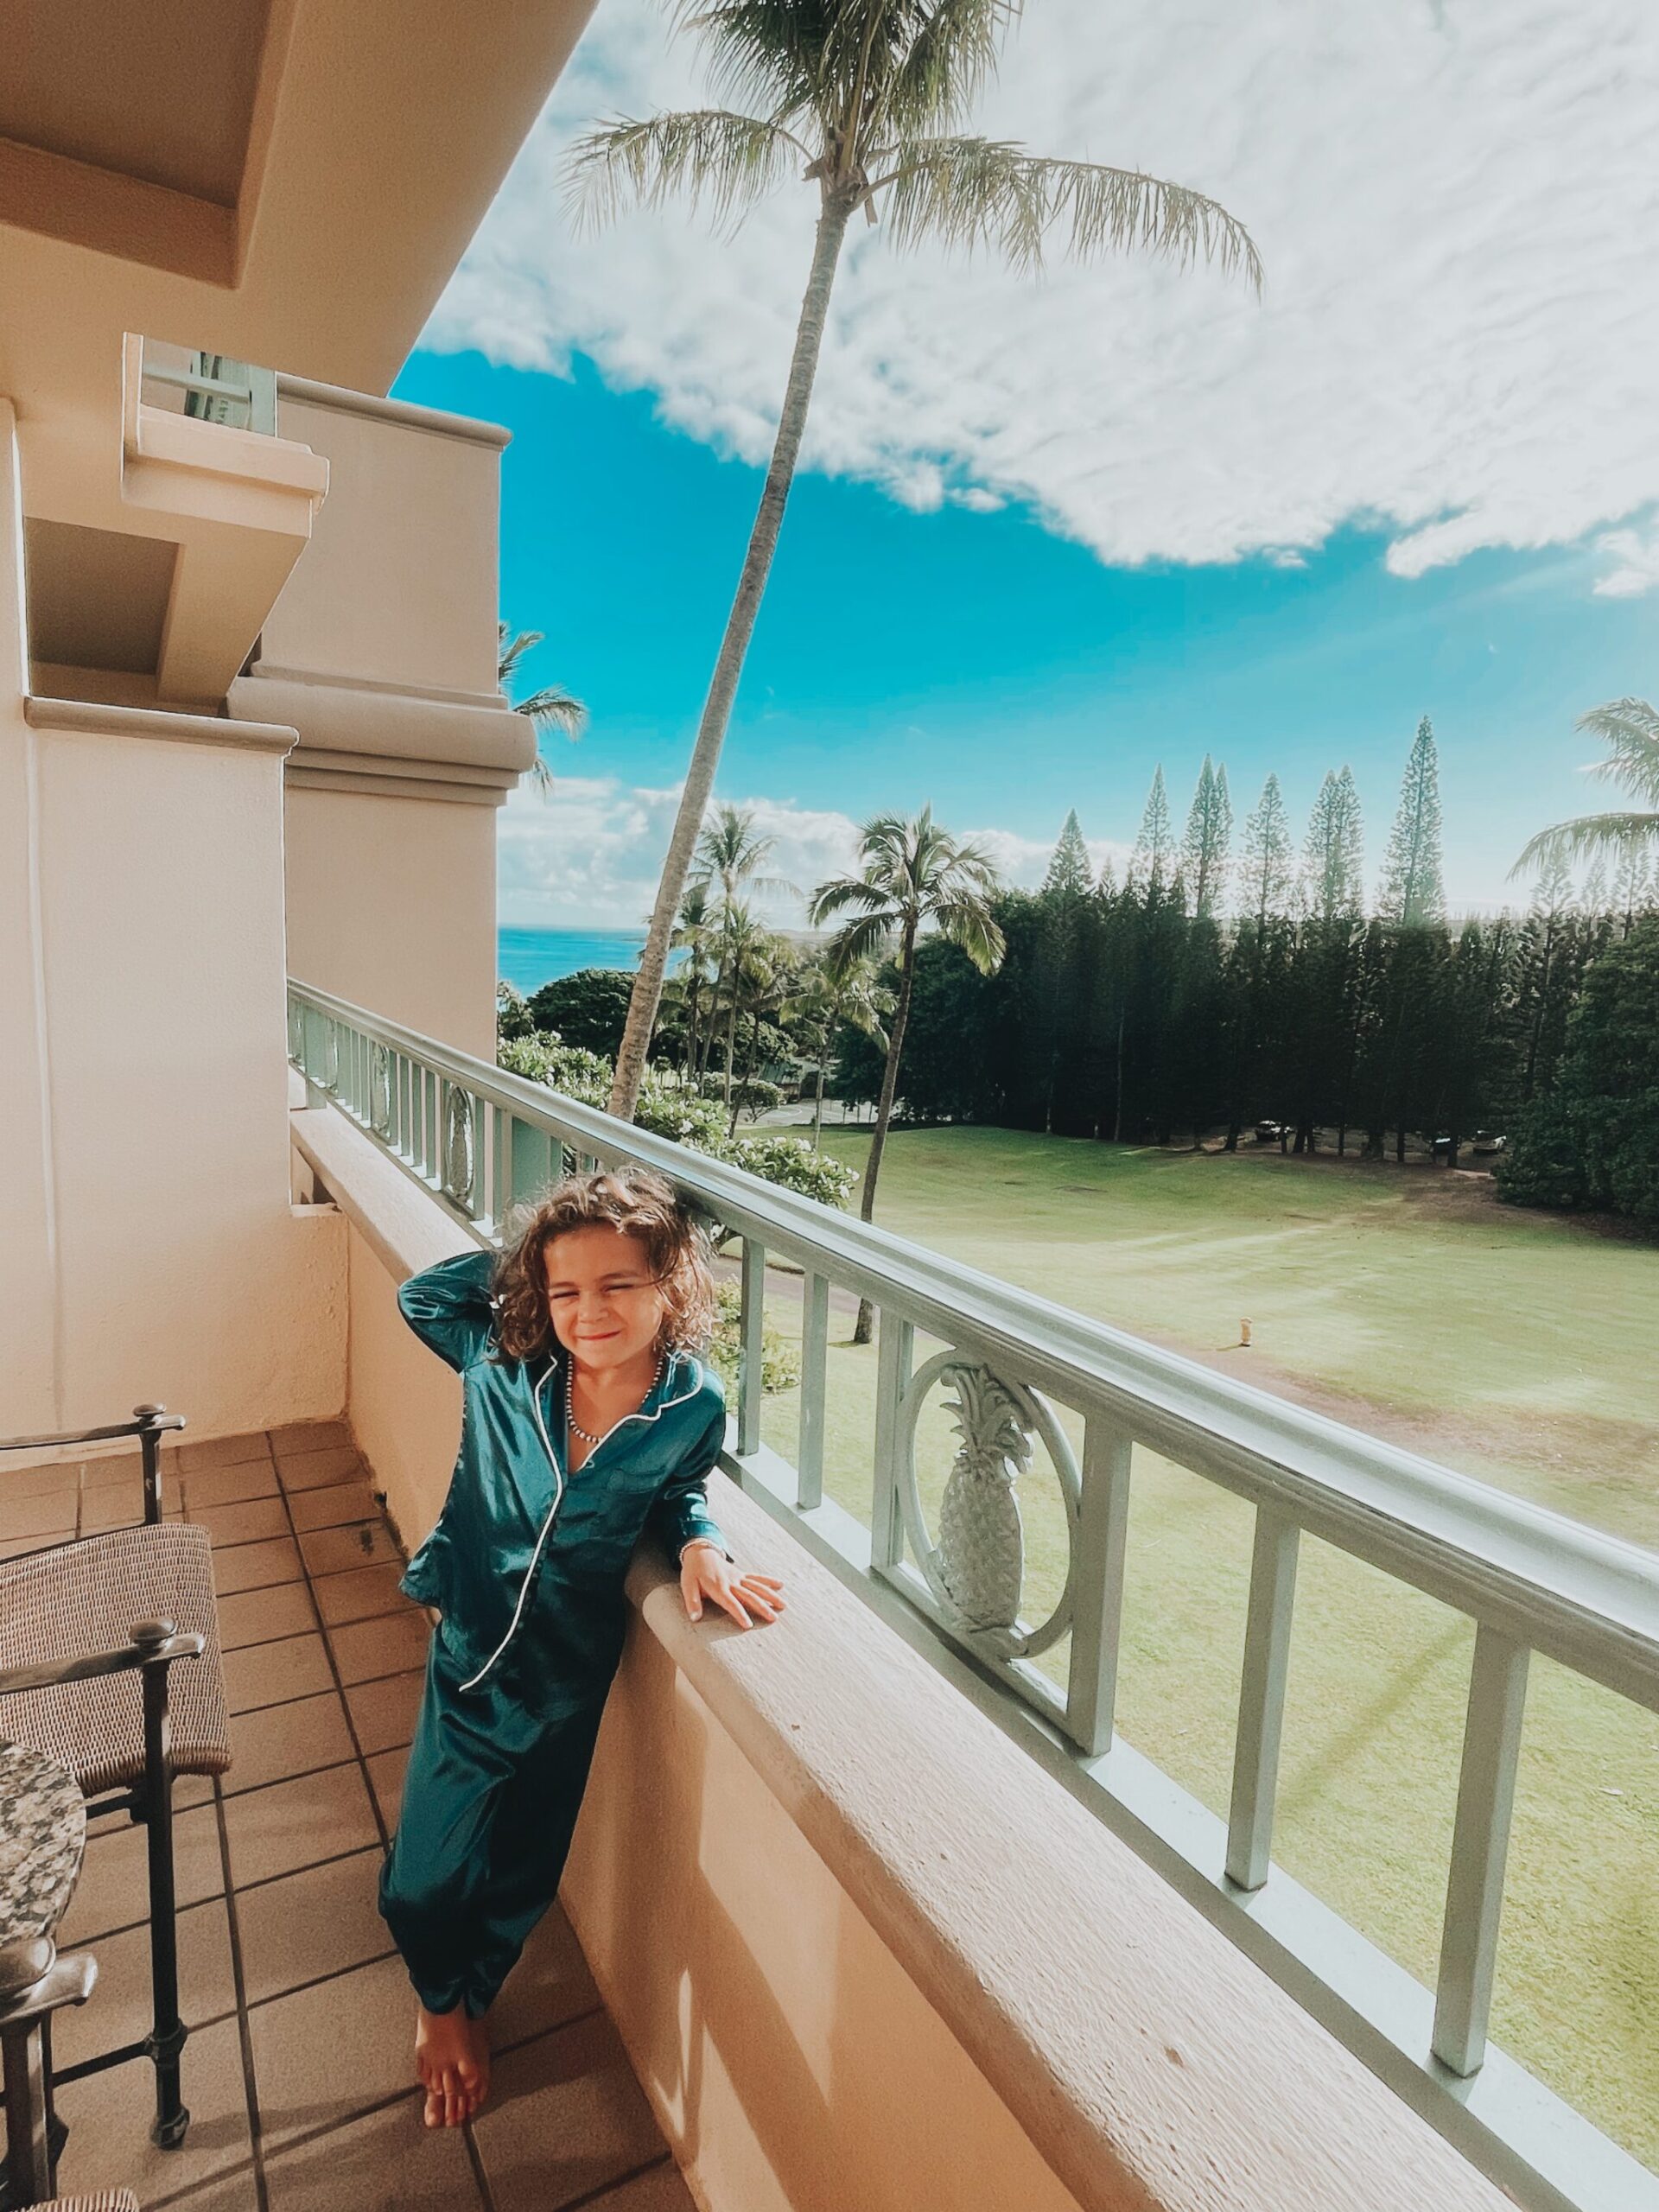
(695, 994)
(731, 1045)
(862, 1326)
(734, 646)
(817, 1109)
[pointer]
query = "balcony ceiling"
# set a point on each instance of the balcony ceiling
(289, 182)
(161, 93)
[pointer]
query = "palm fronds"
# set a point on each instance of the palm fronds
(1602, 835)
(770, 53)
(935, 77)
(710, 156)
(551, 708)
(988, 191)
(1630, 730)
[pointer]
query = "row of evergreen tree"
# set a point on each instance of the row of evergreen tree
(1207, 992)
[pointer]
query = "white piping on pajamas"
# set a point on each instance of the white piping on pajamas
(559, 1490)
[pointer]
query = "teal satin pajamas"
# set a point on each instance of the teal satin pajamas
(526, 1567)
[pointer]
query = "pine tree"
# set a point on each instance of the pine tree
(1630, 889)
(1069, 872)
(1593, 897)
(1265, 882)
(1552, 894)
(1155, 847)
(1209, 835)
(1334, 857)
(1411, 891)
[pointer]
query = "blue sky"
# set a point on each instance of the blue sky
(983, 663)
(1052, 533)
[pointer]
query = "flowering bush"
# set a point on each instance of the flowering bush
(791, 1162)
(683, 1116)
(781, 1359)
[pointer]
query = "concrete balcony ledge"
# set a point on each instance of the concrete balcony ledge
(96, 718)
(1149, 2062)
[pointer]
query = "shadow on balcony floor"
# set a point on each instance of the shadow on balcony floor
(298, 2069)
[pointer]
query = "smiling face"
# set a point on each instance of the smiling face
(605, 1308)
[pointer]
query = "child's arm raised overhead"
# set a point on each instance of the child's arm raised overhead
(450, 1307)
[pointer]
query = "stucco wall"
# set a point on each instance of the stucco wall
(381, 652)
(398, 585)
(403, 1405)
(391, 904)
(792, 2060)
(152, 1251)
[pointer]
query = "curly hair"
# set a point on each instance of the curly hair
(640, 1203)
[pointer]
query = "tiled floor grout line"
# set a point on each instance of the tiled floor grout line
(277, 1705)
(350, 2118)
(619, 2181)
(244, 2031)
(480, 2179)
(320, 1981)
(333, 1670)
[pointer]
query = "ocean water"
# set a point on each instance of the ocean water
(529, 958)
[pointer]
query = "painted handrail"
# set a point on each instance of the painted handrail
(482, 1141)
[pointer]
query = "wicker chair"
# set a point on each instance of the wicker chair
(89, 1631)
(107, 2200)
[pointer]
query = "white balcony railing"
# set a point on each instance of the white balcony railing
(480, 1141)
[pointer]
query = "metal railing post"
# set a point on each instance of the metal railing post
(1097, 1614)
(1480, 1844)
(1261, 1698)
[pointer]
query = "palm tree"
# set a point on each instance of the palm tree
(828, 999)
(770, 980)
(730, 852)
(745, 946)
(866, 100)
(696, 933)
(914, 872)
(553, 708)
(1630, 730)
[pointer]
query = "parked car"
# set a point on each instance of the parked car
(1487, 1141)
(1271, 1132)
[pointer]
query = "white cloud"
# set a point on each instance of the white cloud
(1456, 201)
(1637, 556)
(588, 856)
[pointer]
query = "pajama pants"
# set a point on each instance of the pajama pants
(490, 1801)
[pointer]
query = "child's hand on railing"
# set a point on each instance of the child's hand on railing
(705, 1571)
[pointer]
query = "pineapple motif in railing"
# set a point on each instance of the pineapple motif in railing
(976, 1570)
(458, 1161)
(380, 1089)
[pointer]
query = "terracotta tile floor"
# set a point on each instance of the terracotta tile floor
(297, 2069)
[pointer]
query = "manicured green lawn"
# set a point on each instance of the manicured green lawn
(1515, 1346)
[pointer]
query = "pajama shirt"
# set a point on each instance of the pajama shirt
(525, 1566)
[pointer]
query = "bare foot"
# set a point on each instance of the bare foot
(445, 2063)
(476, 2080)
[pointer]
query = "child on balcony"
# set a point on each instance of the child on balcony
(586, 1415)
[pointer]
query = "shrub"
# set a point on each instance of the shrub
(680, 1115)
(590, 1007)
(511, 1013)
(791, 1162)
(1594, 1139)
(780, 1358)
(756, 1097)
(543, 1056)
(668, 1111)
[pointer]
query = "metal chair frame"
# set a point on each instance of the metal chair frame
(154, 1647)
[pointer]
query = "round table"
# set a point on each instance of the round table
(42, 1838)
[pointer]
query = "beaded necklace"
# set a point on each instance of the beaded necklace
(587, 1435)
